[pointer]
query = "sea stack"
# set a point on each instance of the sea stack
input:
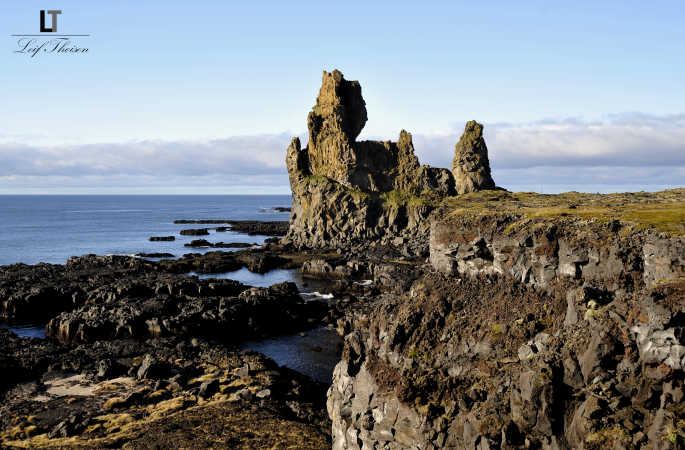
(347, 192)
(334, 123)
(471, 167)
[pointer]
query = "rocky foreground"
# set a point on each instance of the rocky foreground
(472, 317)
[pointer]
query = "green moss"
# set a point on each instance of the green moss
(315, 179)
(602, 438)
(358, 195)
(672, 437)
(397, 198)
(662, 211)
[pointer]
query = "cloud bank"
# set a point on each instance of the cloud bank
(620, 152)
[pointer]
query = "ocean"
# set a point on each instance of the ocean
(52, 228)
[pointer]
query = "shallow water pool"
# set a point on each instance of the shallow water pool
(315, 354)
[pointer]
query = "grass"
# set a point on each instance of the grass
(663, 211)
(397, 198)
(315, 179)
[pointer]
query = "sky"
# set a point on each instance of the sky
(203, 97)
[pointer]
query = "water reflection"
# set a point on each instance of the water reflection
(26, 330)
(315, 354)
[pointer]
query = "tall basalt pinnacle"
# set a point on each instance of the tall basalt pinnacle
(347, 191)
(334, 123)
(471, 167)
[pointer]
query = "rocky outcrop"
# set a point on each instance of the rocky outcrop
(162, 238)
(161, 392)
(531, 333)
(251, 227)
(347, 191)
(38, 293)
(206, 244)
(221, 310)
(537, 251)
(471, 166)
(195, 232)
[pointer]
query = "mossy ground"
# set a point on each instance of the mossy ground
(663, 211)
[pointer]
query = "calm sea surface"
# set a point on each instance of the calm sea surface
(53, 228)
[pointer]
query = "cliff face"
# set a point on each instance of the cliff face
(529, 332)
(538, 321)
(346, 192)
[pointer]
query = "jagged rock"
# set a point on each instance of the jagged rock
(150, 368)
(471, 167)
(208, 388)
(492, 347)
(334, 123)
(347, 192)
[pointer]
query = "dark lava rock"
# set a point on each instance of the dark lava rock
(162, 238)
(195, 232)
(151, 368)
(205, 243)
(219, 309)
(37, 293)
(251, 227)
(254, 227)
(155, 255)
(209, 388)
(234, 245)
(261, 262)
(202, 221)
(198, 243)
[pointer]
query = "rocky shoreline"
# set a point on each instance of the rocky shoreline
(472, 317)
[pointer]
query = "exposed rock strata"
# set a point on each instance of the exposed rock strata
(561, 333)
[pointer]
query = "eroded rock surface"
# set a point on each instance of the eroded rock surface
(523, 333)
(161, 392)
(347, 191)
(471, 166)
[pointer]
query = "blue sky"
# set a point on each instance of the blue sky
(190, 97)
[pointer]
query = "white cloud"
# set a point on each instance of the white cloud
(621, 152)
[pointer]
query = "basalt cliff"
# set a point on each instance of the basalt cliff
(504, 320)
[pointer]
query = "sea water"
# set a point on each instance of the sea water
(52, 228)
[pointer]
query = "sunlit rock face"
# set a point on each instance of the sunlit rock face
(471, 167)
(345, 190)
